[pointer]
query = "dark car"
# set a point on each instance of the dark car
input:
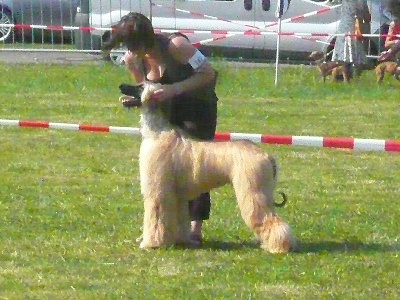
(36, 12)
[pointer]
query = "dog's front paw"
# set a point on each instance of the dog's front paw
(148, 245)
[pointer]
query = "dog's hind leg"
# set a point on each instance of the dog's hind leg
(276, 235)
(256, 203)
(397, 73)
(160, 224)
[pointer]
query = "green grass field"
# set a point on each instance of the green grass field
(71, 209)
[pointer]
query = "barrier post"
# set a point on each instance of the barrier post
(82, 38)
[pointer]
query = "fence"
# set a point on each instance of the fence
(83, 25)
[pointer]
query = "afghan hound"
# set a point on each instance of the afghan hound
(175, 167)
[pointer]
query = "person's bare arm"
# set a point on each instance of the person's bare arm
(390, 39)
(134, 66)
(184, 52)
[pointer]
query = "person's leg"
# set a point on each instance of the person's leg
(206, 127)
(357, 70)
(347, 72)
(198, 118)
(199, 210)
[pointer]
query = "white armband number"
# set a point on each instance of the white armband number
(197, 60)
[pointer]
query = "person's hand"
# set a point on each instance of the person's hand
(130, 58)
(167, 91)
(131, 61)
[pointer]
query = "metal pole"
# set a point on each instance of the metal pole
(151, 10)
(82, 38)
(84, 5)
(278, 39)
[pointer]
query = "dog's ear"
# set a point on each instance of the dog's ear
(114, 40)
(131, 90)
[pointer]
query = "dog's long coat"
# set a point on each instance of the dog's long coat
(175, 168)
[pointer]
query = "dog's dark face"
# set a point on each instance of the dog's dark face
(141, 94)
(131, 90)
(134, 91)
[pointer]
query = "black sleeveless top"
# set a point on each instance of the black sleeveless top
(196, 111)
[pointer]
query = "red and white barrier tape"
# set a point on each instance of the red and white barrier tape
(311, 141)
(55, 27)
(203, 15)
(190, 31)
(69, 126)
(304, 16)
(226, 34)
(287, 20)
(296, 18)
(60, 27)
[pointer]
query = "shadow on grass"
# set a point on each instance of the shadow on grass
(308, 247)
(229, 246)
(345, 246)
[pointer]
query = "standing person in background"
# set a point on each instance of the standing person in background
(349, 51)
(392, 42)
(188, 82)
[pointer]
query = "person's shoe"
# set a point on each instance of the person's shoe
(196, 239)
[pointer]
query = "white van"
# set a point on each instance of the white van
(205, 20)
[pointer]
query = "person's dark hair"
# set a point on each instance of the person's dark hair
(134, 31)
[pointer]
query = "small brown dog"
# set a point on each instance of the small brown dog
(389, 67)
(327, 68)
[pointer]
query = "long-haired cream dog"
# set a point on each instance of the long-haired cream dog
(175, 168)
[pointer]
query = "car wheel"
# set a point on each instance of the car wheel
(6, 33)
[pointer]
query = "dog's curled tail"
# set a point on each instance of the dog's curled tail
(283, 203)
(275, 175)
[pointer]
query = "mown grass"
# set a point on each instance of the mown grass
(70, 203)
